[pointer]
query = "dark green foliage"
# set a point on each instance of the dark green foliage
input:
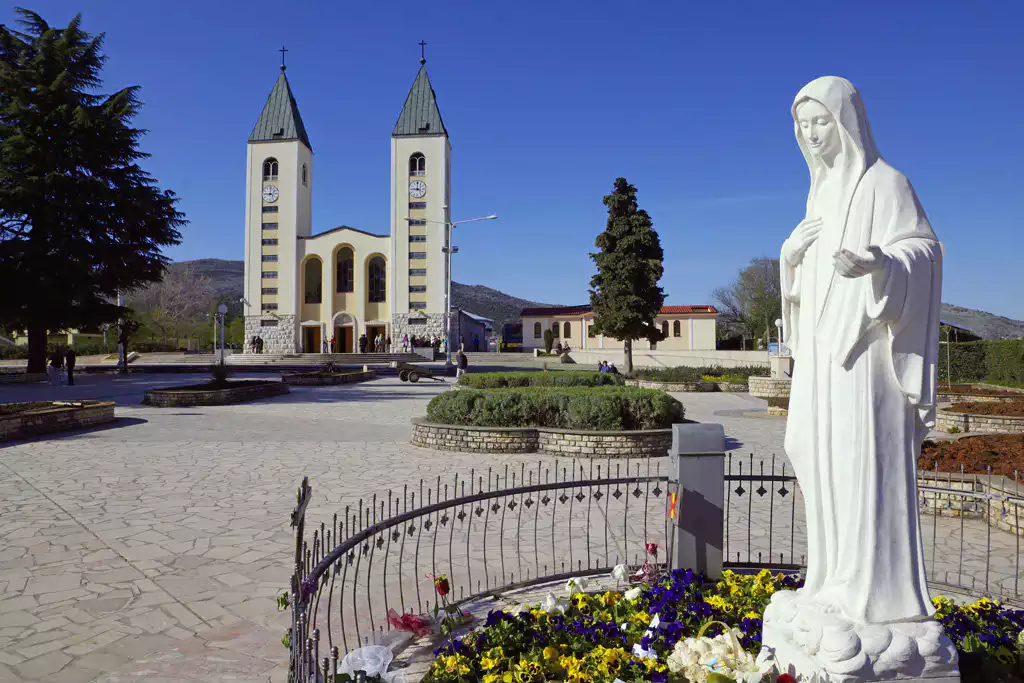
(549, 340)
(79, 218)
(608, 408)
(993, 361)
(695, 374)
(624, 293)
(219, 373)
(501, 380)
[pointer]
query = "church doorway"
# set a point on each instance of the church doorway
(372, 332)
(343, 337)
(311, 339)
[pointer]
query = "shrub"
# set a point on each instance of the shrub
(549, 340)
(608, 408)
(996, 361)
(685, 373)
(500, 380)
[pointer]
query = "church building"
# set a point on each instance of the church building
(304, 288)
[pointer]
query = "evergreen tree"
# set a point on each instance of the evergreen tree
(80, 221)
(625, 294)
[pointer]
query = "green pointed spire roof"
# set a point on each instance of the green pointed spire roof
(420, 115)
(280, 119)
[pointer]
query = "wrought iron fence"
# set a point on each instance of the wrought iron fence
(762, 521)
(488, 533)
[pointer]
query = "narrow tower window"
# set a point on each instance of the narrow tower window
(417, 164)
(566, 330)
(305, 175)
(270, 169)
(675, 329)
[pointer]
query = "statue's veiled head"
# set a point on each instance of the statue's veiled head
(831, 123)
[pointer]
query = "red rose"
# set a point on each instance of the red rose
(785, 678)
(442, 585)
(652, 549)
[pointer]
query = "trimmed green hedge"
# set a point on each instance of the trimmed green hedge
(587, 408)
(993, 361)
(558, 378)
(684, 373)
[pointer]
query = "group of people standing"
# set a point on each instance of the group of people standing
(59, 362)
(256, 344)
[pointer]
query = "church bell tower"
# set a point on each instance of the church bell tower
(420, 206)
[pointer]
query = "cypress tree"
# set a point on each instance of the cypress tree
(624, 293)
(80, 220)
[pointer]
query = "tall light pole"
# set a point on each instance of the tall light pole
(222, 309)
(448, 250)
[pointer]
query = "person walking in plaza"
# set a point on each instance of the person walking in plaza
(405, 343)
(387, 344)
(461, 362)
(362, 343)
(69, 360)
(259, 344)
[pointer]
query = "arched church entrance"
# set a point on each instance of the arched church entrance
(312, 339)
(344, 326)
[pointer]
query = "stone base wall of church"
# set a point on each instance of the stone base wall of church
(418, 324)
(281, 338)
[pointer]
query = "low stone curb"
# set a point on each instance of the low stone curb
(22, 377)
(183, 398)
(979, 424)
(583, 444)
(943, 397)
(47, 418)
(314, 379)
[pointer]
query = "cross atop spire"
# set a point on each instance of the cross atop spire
(423, 52)
(282, 51)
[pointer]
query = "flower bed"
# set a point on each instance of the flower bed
(1007, 408)
(682, 628)
(321, 379)
(1004, 417)
(20, 420)
(977, 393)
(214, 393)
(701, 386)
(558, 378)
(608, 408)
(1003, 453)
(713, 373)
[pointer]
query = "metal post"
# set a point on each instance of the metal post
(448, 292)
(697, 488)
(222, 339)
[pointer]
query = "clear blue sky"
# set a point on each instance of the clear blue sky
(547, 102)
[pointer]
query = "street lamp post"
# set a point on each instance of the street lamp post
(448, 250)
(222, 309)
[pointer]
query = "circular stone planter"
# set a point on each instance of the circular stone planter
(949, 421)
(683, 387)
(182, 397)
(323, 379)
(774, 390)
(583, 444)
(19, 420)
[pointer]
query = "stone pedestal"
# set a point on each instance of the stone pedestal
(807, 637)
(781, 367)
(697, 482)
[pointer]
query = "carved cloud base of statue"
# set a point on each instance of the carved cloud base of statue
(807, 637)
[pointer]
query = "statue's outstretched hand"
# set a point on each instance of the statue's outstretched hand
(851, 265)
(801, 240)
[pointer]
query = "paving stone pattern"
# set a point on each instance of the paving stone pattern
(152, 548)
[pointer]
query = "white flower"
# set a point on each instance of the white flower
(573, 586)
(643, 653)
(553, 605)
(632, 593)
(620, 573)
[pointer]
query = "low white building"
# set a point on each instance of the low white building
(687, 328)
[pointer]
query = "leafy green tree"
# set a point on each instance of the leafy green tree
(750, 306)
(79, 219)
(624, 293)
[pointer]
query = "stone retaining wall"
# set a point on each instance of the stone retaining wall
(313, 379)
(979, 424)
(681, 387)
(177, 398)
(643, 443)
(774, 390)
(973, 398)
(45, 418)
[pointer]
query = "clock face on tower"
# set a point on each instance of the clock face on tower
(417, 189)
(270, 194)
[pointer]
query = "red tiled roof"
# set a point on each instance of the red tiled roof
(584, 309)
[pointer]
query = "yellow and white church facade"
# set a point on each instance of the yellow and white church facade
(304, 288)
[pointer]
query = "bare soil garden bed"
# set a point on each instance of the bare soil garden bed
(1004, 453)
(215, 393)
(1003, 408)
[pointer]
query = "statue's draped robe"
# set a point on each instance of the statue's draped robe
(863, 393)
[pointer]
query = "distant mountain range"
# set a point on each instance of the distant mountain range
(226, 279)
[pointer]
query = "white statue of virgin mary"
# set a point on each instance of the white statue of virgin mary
(861, 287)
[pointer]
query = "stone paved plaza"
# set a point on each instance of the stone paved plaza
(153, 549)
